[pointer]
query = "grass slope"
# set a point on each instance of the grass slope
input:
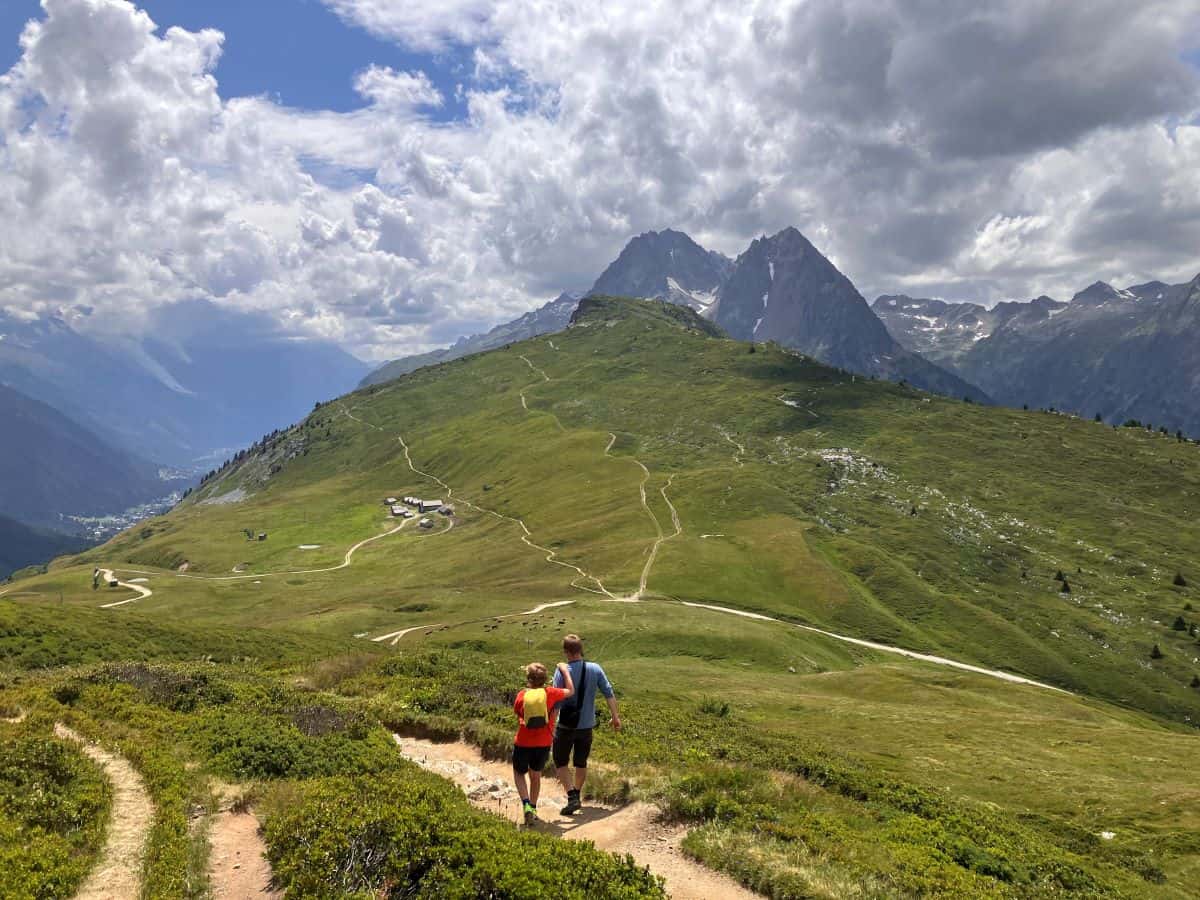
(802, 493)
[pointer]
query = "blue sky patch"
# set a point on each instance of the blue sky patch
(295, 51)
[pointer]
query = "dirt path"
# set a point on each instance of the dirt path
(237, 862)
(526, 534)
(344, 564)
(738, 449)
(885, 648)
(118, 874)
(142, 592)
(634, 829)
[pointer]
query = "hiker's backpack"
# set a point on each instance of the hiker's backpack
(536, 712)
(568, 716)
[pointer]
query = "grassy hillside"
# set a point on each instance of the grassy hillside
(638, 462)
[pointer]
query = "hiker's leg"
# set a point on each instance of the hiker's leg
(521, 785)
(583, 749)
(535, 785)
(563, 742)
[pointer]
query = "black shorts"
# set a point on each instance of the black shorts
(570, 742)
(526, 758)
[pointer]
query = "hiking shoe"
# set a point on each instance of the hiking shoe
(573, 804)
(531, 816)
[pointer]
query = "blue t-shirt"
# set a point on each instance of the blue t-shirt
(596, 681)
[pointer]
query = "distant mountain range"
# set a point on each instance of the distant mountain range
(546, 319)
(780, 289)
(95, 426)
(1122, 354)
(21, 545)
(51, 467)
(204, 380)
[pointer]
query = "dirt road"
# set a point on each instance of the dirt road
(107, 577)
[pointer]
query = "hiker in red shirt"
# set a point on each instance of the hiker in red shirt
(536, 712)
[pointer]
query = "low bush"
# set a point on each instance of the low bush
(410, 834)
(53, 809)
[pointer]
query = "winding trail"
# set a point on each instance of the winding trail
(739, 450)
(118, 873)
(396, 635)
(636, 829)
(142, 591)
(526, 534)
(884, 648)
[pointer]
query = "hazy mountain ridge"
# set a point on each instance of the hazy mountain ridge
(550, 317)
(1121, 353)
(204, 379)
(51, 467)
(22, 545)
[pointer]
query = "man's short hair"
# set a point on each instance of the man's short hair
(572, 644)
(535, 675)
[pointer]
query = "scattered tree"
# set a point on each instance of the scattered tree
(1187, 607)
(1099, 418)
(1192, 630)
(1180, 581)
(753, 349)
(1196, 681)
(1059, 576)
(1155, 653)
(1179, 624)
(1066, 587)
(1025, 406)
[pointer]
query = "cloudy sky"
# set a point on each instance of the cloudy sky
(393, 173)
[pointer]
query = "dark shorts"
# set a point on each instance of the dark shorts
(526, 758)
(572, 742)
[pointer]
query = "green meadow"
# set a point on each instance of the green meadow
(1029, 542)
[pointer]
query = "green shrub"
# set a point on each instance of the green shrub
(53, 808)
(413, 835)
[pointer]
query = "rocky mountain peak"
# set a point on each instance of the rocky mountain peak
(1100, 292)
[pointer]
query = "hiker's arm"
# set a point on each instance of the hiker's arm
(568, 682)
(614, 711)
(605, 688)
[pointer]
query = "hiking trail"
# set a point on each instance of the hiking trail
(635, 829)
(237, 862)
(117, 875)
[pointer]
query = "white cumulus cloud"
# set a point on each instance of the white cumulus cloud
(981, 151)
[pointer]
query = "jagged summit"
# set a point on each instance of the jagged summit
(667, 265)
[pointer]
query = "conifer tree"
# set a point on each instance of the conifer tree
(1179, 624)
(1155, 653)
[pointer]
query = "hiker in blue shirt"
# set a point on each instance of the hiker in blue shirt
(577, 718)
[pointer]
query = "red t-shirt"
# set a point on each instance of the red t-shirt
(538, 737)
